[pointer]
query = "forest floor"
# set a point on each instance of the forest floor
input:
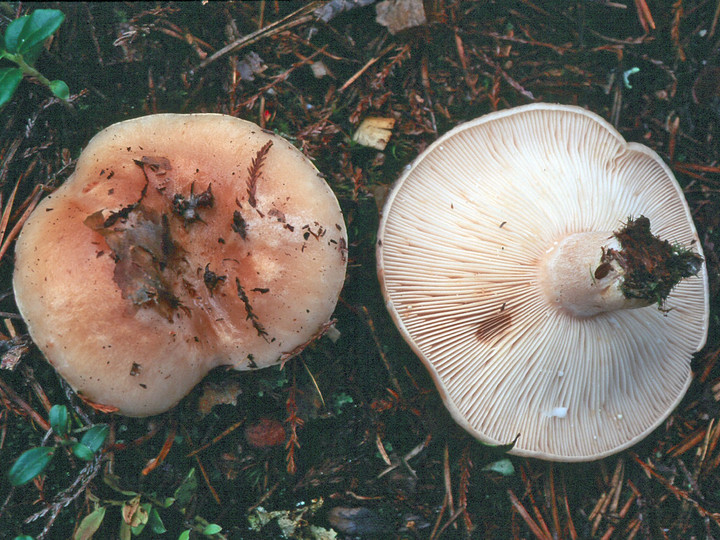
(366, 448)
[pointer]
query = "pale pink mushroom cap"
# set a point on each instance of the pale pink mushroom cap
(463, 243)
(245, 278)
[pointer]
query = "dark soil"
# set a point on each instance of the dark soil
(368, 449)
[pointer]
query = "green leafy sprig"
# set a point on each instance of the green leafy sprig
(22, 44)
(140, 512)
(34, 461)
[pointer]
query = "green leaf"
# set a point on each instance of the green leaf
(155, 523)
(141, 518)
(12, 33)
(91, 441)
(113, 481)
(90, 524)
(211, 528)
(125, 532)
(31, 56)
(24, 537)
(41, 24)
(502, 466)
(30, 463)
(166, 502)
(9, 80)
(83, 452)
(184, 493)
(60, 89)
(59, 419)
(185, 535)
(95, 437)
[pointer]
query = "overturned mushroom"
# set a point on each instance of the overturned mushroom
(181, 243)
(511, 254)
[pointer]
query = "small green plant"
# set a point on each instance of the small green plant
(34, 461)
(140, 512)
(503, 467)
(22, 44)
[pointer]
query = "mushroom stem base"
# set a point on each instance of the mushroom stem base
(576, 279)
(594, 272)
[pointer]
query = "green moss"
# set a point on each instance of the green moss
(653, 267)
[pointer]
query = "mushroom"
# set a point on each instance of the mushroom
(180, 243)
(516, 259)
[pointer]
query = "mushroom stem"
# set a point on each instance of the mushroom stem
(595, 272)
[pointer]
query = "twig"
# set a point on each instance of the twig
(381, 352)
(36, 387)
(713, 441)
(425, 76)
(367, 65)
(10, 494)
(674, 125)
(716, 16)
(278, 79)
(285, 23)
(393, 464)
(566, 504)
(609, 498)
(295, 422)
(536, 510)
(216, 439)
(315, 384)
(451, 521)
(623, 512)
(560, 49)
(512, 82)
(164, 451)
(7, 158)
(207, 481)
(383, 454)
(520, 509)
(65, 497)
(265, 497)
(679, 493)
(35, 198)
(202, 469)
(8, 209)
(285, 356)
(690, 442)
(254, 172)
(120, 447)
(677, 10)
(438, 520)
(618, 478)
(447, 479)
(644, 15)
(20, 402)
(460, 47)
(553, 501)
(465, 468)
